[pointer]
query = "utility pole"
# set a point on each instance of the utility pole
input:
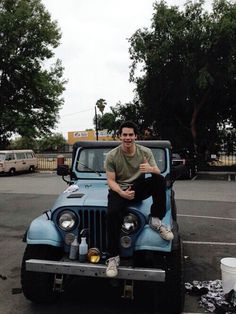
(96, 123)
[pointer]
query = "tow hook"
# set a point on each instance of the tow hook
(128, 292)
(58, 283)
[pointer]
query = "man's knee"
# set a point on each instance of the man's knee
(159, 179)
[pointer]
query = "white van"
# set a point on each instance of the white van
(12, 161)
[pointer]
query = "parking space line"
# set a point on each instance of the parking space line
(207, 217)
(210, 243)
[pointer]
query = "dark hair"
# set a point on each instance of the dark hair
(130, 125)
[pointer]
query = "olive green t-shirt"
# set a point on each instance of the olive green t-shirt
(126, 167)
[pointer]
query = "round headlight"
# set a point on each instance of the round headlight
(130, 224)
(69, 238)
(67, 220)
(125, 242)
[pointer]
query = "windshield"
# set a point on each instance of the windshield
(2, 156)
(92, 159)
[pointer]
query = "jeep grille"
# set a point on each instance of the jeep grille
(95, 221)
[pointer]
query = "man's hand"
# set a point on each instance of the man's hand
(128, 194)
(145, 167)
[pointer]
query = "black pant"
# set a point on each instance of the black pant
(154, 186)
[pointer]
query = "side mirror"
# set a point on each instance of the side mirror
(63, 170)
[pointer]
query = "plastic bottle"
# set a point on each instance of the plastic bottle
(83, 250)
(74, 249)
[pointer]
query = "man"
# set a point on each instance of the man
(126, 166)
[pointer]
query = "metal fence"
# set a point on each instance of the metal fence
(50, 162)
(215, 162)
(219, 162)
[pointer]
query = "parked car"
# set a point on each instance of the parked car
(50, 261)
(188, 163)
(12, 161)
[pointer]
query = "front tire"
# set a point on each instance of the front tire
(167, 297)
(12, 172)
(173, 290)
(36, 286)
(32, 169)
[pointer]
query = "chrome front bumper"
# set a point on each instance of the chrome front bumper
(94, 270)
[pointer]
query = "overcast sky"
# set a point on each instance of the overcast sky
(94, 52)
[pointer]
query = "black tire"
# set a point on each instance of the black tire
(36, 286)
(173, 290)
(32, 169)
(167, 297)
(12, 172)
(188, 173)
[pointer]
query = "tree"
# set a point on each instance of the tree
(120, 113)
(53, 142)
(101, 104)
(23, 143)
(188, 62)
(30, 94)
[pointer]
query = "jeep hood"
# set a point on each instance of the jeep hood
(88, 193)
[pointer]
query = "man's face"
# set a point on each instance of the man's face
(128, 137)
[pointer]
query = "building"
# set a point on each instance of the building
(90, 135)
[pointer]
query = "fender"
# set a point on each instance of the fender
(43, 231)
(150, 240)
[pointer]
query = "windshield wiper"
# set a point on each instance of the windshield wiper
(87, 167)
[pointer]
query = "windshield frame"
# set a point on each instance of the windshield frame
(92, 172)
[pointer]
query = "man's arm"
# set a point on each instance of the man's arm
(145, 167)
(114, 186)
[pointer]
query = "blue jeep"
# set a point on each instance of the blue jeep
(145, 256)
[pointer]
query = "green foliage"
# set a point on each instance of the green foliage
(52, 142)
(187, 84)
(120, 113)
(23, 143)
(30, 94)
(101, 104)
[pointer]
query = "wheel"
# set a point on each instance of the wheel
(32, 169)
(167, 297)
(36, 286)
(188, 173)
(173, 290)
(12, 171)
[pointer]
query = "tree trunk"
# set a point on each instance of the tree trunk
(195, 114)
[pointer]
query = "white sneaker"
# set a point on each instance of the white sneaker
(155, 223)
(112, 264)
(164, 231)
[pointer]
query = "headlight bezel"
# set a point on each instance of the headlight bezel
(73, 216)
(130, 219)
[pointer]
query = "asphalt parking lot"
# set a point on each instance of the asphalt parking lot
(206, 216)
